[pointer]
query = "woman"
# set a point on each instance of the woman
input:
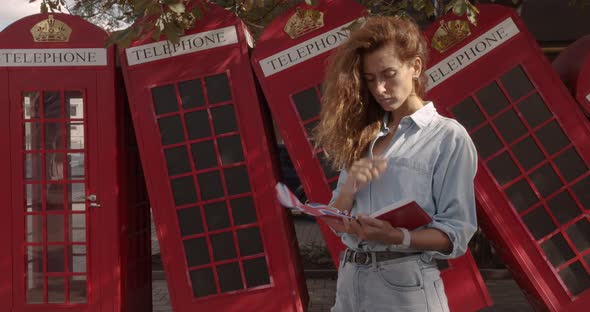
(393, 145)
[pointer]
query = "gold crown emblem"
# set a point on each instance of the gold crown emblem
(51, 30)
(450, 33)
(304, 21)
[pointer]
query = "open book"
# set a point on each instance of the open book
(406, 213)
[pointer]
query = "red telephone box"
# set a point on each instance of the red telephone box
(74, 237)
(534, 149)
(225, 241)
(573, 66)
(289, 61)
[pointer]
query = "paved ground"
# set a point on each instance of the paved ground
(506, 295)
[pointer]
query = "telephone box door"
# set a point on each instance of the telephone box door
(55, 226)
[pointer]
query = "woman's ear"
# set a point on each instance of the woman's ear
(417, 66)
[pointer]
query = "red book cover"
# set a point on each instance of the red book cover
(407, 214)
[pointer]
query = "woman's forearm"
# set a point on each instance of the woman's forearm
(425, 239)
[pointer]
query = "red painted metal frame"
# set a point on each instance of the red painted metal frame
(573, 66)
(103, 147)
(583, 83)
(500, 222)
(464, 285)
(286, 291)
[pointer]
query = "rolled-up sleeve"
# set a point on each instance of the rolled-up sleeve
(453, 193)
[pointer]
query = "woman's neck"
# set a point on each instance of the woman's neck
(412, 105)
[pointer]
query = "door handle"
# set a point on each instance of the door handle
(92, 198)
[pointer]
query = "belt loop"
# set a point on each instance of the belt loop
(373, 260)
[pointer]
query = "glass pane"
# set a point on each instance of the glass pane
(557, 250)
(52, 104)
(204, 155)
(576, 278)
(581, 190)
(509, 126)
(76, 197)
(243, 210)
(183, 190)
(55, 228)
(528, 153)
(203, 282)
(563, 207)
(503, 168)
(310, 127)
(32, 167)
(34, 228)
(78, 258)
(539, 223)
(552, 137)
(210, 185)
(189, 220)
(486, 141)
(75, 135)
(218, 88)
(34, 197)
(468, 114)
(250, 241)
(579, 233)
(77, 224)
(224, 119)
(55, 259)
(307, 103)
(171, 130)
(55, 197)
(34, 274)
(546, 180)
(237, 180)
(56, 289)
(164, 98)
(32, 136)
(216, 216)
(570, 164)
(230, 149)
(230, 278)
(191, 94)
(54, 139)
(76, 170)
(74, 104)
(54, 164)
(177, 160)
(256, 272)
(492, 99)
(31, 105)
(223, 246)
(516, 83)
(78, 289)
(196, 251)
(534, 111)
(197, 124)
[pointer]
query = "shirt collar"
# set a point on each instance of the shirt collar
(424, 115)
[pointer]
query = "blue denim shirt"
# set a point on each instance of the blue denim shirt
(432, 160)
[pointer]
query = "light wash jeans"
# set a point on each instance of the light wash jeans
(405, 284)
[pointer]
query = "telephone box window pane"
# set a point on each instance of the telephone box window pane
(171, 130)
(75, 135)
(224, 119)
(189, 220)
(52, 104)
(210, 184)
(34, 197)
(31, 105)
(197, 124)
(309, 128)
(552, 137)
(492, 99)
(256, 272)
(326, 166)
(587, 259)
(74, 104)
(218, 88)
(76, 196)
(539, 223)
(34, 275)
(534, 110)
(230, 149)
(250, 241)
(516, 83)
(203, 282)
(503, 168)
(217, 216)
(55, 197)
(78, 289)
(76, 166)
(184, 190)
(333, 184)
(557, 250)
(54, 166)
(563, 207)
(223, 246)
(528, 153)
(581, 190)
(77, 226)
(55, 259)
(56, 289)
(196, 251)
(243, 210)
(237, 180)
(177, 160)
(34, 228)
(32, 167)
(204, 155)
(164, 98)
(486, 141)
(230, 277)
(521, 195)
(579, 233)
(546, 180)
(510, 126)
(191, 94)
(307, 103)
(55, 228)
(32, 136)
(576, 278)
(78, 258)
(468, 114)
(570, 164)
(54, 139)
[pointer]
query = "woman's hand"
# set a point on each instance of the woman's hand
(371, 229)
(362, 172)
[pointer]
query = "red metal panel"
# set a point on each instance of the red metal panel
(534, 151)
(206, 104)
(573, 68)
(583, 83)
(290, 92)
